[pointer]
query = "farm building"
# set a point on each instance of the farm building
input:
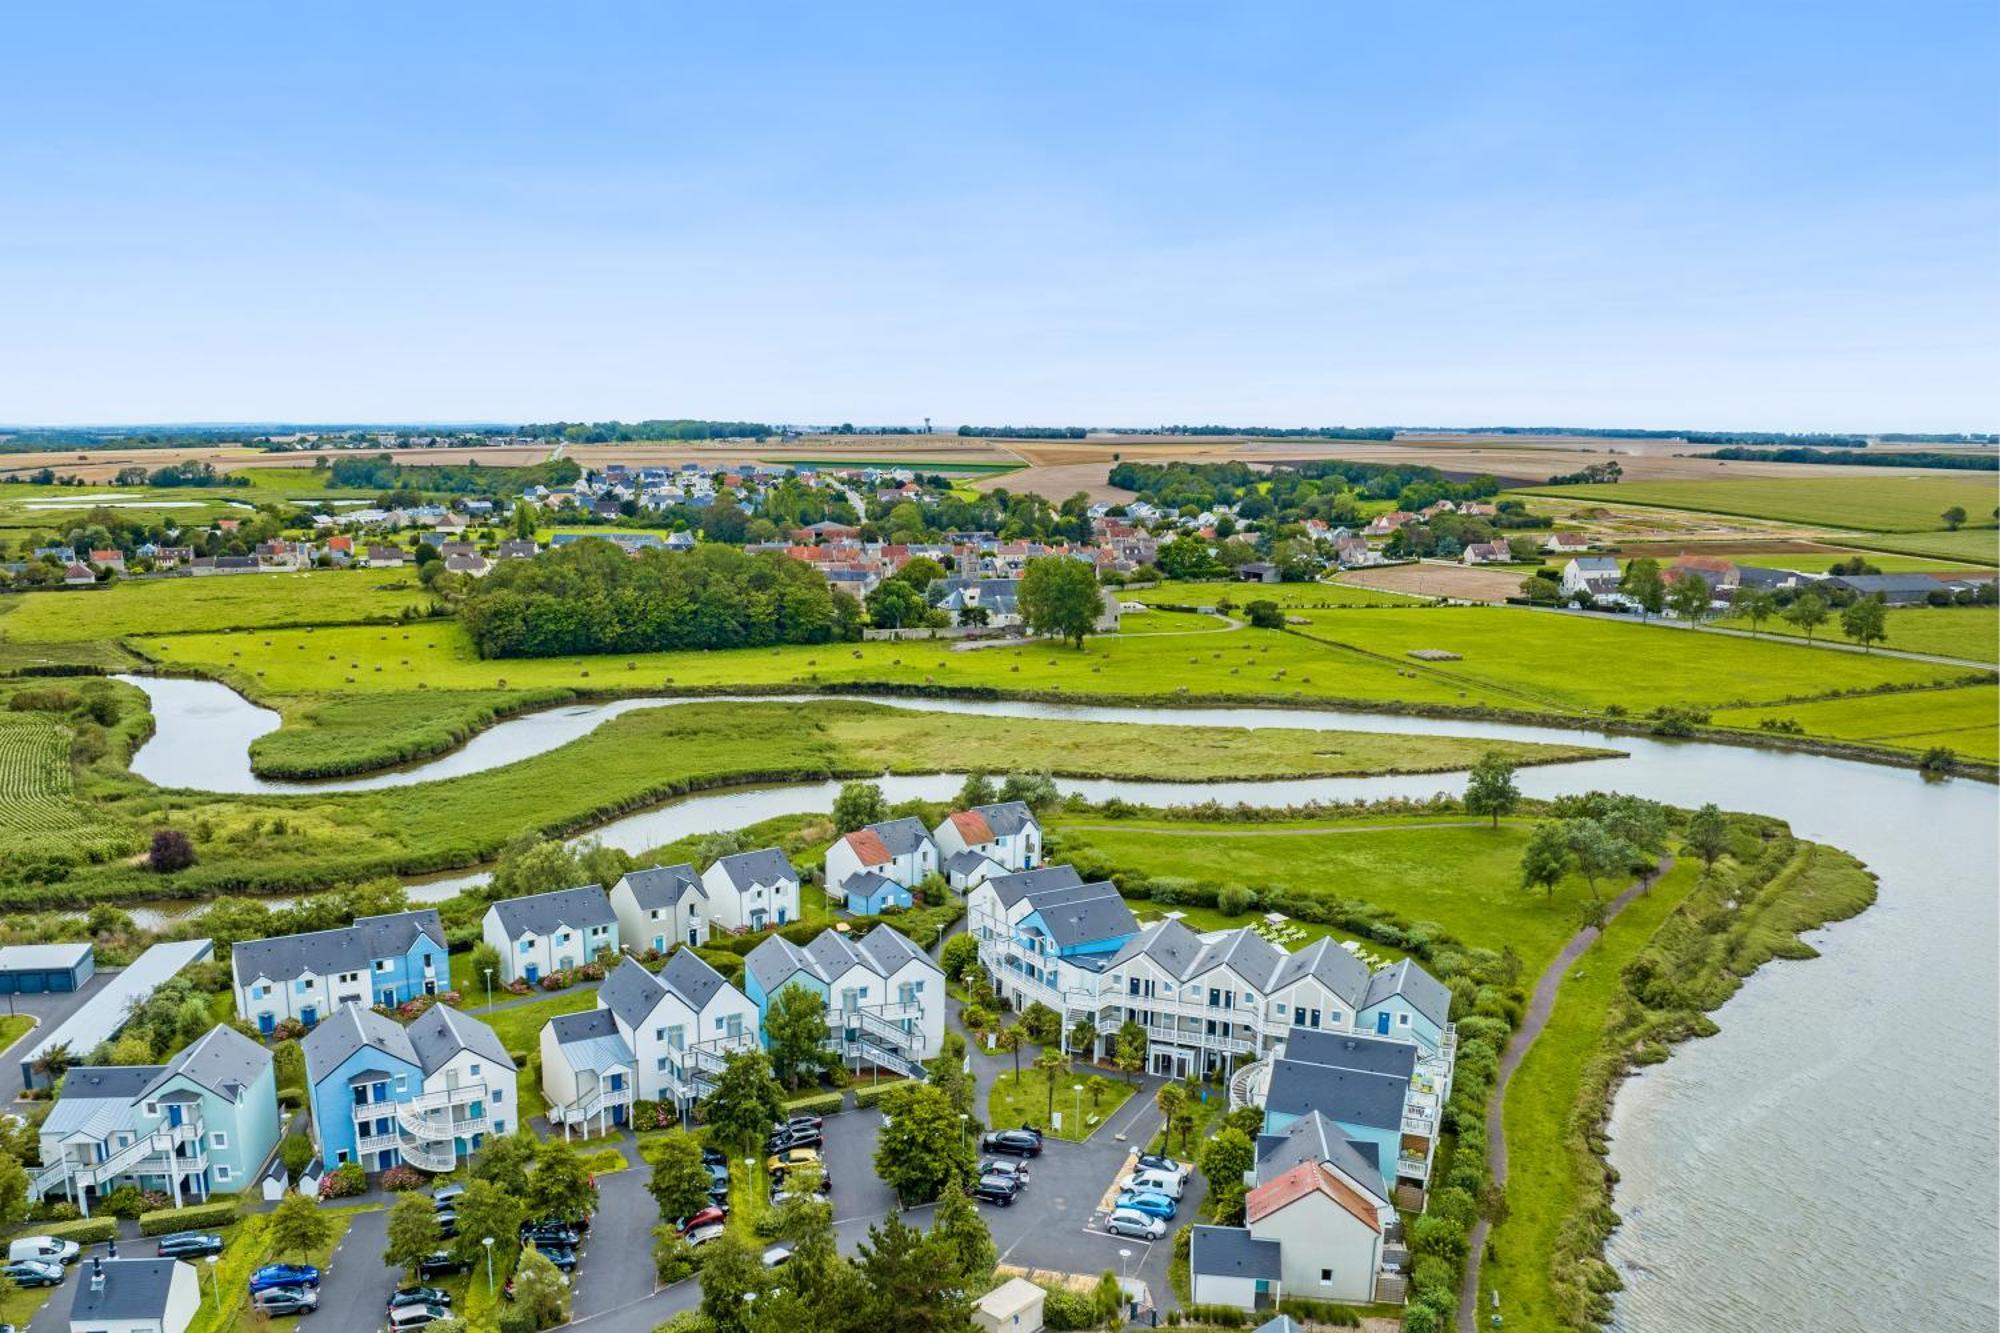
(103, 1014)
(32, 969)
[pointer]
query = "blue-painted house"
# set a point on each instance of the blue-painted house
(1363, 1086)
(427, 1094)
(869, 894)
(1045, 935)
(383, 960)
(1406, 1002)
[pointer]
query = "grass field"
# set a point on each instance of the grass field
(37, 804)
(241, 602)
(1465, 878)
(1968, 632)
(1284, 594)
(1025, 1100)
(1965, 720)
(1966, 547)
(325, 735)
(1890, 503)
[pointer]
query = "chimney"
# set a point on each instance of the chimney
(97, 1276)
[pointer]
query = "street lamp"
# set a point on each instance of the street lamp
(962, 1118)
(487, 1241)
(1077, 1088)
(1124, 1264)
(489, 988)
(215, 1280)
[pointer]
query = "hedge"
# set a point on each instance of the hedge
(825, 1103)
(867, 1097)
(195, 1217)
(86, 1232)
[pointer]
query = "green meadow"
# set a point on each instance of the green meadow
(1893, 502)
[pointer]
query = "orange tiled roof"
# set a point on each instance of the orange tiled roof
(868, 847)
(1303, 1179)
(972, 826)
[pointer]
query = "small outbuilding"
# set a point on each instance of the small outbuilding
(1015, 1306)
(34, 969)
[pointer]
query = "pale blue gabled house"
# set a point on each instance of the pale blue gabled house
(204, 1123)
(1360, 1085)
(869, 894)
(1407, 1003)
(426, 1095)
(385, 960)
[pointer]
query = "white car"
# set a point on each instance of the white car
(1132, 1222)
(1160, 1183)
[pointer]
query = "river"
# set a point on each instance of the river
(1827, 1163)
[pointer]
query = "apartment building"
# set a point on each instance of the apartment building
(550, 932)
(885, 997)
(679, 1025)
(427, 1094)
(383, 960)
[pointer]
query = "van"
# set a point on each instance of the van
(45, 1248)
(1159, 1182)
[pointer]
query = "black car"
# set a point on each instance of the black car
(551, 1233)
(189, 1245)
(1013, 1142)
(419, 1296)
(996, 1189)
(447, 1220)
(792, 1124)
(439, 1263)
(562, 1256)
(714, 1157)
(995, 1166)
(797, 1138)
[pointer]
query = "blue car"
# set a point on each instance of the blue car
(1149, 1202)
(284, 1275)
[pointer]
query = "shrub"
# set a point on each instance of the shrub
(400, 1178)
(1235, 899)
(125, 1201)
(343, 1182)
(825, 1103)
(171, 850)
(1066, 1309)
(1320, 1312)
(199, 1217)
(296, 1152)
(87, 1232)
(867, 1097)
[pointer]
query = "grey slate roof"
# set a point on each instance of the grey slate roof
(442, 1032)
(322, 952)
(1334, 967)
(1232, 1252)
(691, 978)
(1170, 944)
(959, 863)
(773, 960)
(590, 1040)
(1012, 888)
(829, 954)
(1006, 817)
(1426, 994)
(1313, 1138)
(224, 1061)
(347, 1030)
(545, 913)
(134, 1289)
(866, 882)
(1084, 913)
(662, 886)
(631, 992)
(1348, 1079)
(766, 866)
(901, 836)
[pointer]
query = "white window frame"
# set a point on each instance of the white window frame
(218, 1140)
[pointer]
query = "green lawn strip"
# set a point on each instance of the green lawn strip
(1026, 1101)
(146, 606)
(1542, 1189)
(19, 1305)
(330, 734)
(520, 1029)
(1976, 546)
(1968, 632)
(13, 1027)
(1287, 595)
(1207, 1112)
(1961, 719)
(1894, 502)
(749, 1197)
(1464, 878)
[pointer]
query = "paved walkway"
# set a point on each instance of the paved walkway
(1540, 1005)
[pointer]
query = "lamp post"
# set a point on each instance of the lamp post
(1124, 1265)
(215, 1280)
(487, 1241)
(962, 1118)
(489, 988)
(1077, 1088)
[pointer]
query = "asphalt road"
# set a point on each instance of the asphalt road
(49, 1010)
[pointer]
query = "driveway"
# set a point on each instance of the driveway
(49, 1009)
(354, 1289)
(614, 1266)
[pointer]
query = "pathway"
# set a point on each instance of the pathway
(1830, 645)
(1141, 826)
(1540, 1005)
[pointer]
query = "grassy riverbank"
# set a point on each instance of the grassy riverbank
(331, 735)
(1652, 979)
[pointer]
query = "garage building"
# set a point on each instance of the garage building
(33, 969)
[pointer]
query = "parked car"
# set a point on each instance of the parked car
(791, 1159)
(551, 1233)
(777, 1256)
(780, 1191)
(703, 1235)
(1165, 1165)
(798, 1122)
(446, 1196)
(34, 1272)
(45, 1249)
(796, 1138)
(286, 1300)
(718, 1175)
(1132, 1222)
(1013, 1142)
(562, 1256)
(1158, 1182)
(706, 1217)
(996, 1189)
(416, 1316)
(283, 1275)
(1150, 1202)
(1000, 1166)
(447, 1220)
(189, 1245)
(714, 1157)
(439, 1263)
(419, 1296)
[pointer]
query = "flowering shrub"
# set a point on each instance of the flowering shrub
(343, 1181)
(415, 1006)
(518, 986)
(400, 1178)
(288, 1029)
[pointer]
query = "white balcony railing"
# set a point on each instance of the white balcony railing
(1413, 1168)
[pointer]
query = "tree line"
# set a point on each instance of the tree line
(381, 472)
(1854, 458)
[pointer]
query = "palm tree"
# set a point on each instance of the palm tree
(1009, 1038)
(1053, 1064)
(1170, 1098)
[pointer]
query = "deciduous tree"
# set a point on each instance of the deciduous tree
(1707, 834)
(1131, 1048)
(1490, 790)
(559, 1186)
(857, 805)
(1643, 583)
(1546, 858)
(1866, 622)
(1059, 597)
(1755, 605)
(298, 1227)
(746, 1101)
(1806, 613)
(413, 1231)
(484, 1210)
(923, 1146)
(913, 1282)
(795, 1026)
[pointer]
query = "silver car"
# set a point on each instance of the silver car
(1132, 1222)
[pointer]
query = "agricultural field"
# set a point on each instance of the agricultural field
(1287, 595)
(1968, 632)
(1434, 578)
(248, 601)
(27, 510)
(1964, 720)
(1891, 503)
(37, 805)
(1969, 546)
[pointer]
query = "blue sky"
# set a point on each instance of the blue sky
(1705, 215)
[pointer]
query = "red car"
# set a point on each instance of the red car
(706, 1217)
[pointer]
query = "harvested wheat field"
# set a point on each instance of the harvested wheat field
(1465, 583)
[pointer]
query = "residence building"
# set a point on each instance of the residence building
(659, 907)
(428, 1094)
(1228, 1266)
(899, 851)
(679, 1025)
(550, 932)
(885, 998)
(1382, 1096)
(116, 1295)
(1595, 576)
(752, 890)
(203, 1123)
(971, 842)
(383, 960)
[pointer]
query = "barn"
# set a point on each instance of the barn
(33, 969)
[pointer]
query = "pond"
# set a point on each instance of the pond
(1828, 1162)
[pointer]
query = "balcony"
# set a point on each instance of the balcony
(1413, 1168)
(1207, 1041)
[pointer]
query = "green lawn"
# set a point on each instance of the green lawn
(1893, 502)
(1205, 919)
(329, 734)
(1026, 1101)
(1542, 1189)
(324, 596)
(13, 1027)
(1284, 594)
(246, 1248)
(1963, 719)
(1969, 632)
(1972, 546)
(520, 1029)
(1466, 879)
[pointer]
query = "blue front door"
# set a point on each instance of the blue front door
(266, 1024)
(533, 974)
(1382, 1024)
(309, 1015)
